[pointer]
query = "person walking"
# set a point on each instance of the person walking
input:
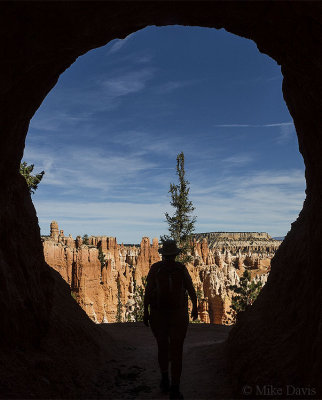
(168, 283)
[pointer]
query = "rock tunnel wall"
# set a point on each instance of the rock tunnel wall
(279, 340)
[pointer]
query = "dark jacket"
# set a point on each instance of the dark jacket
(150, 290)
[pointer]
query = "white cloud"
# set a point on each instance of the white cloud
(78, 169)
(130, 82)
(278, 124)
(256, 201)
(118, 44)
(102, 94)
(289, 177)
(52, 121)
(170, 86)
(129, 190)
(145, 58)
(259, 201)
(238, 159)
(257, 80)
(128, 222)
(142, 143)
(239, 208)
(287, 129)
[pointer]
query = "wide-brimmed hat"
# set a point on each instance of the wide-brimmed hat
(169, 248)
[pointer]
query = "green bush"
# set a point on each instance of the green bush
(245, 294)
(85, 239)
(32, 180)
(119, 308)
(138, 312)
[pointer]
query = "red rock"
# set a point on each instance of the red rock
(54, 231)
(204, 250)
(96, 287)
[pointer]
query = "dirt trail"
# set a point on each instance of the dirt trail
(136, 371)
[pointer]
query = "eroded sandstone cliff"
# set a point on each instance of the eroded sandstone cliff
(213, 269)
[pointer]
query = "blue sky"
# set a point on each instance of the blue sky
(108, 135)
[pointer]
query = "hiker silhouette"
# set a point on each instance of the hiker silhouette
(168, 282)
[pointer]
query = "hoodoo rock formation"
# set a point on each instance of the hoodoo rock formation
(278, 341)
(256, 243)
(95, 286)
(213, 270)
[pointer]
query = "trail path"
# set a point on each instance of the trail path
(136, 370)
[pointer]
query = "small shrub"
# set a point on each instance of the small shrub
(119, 308)
(245, 294)
(138, 311)
(85, 239)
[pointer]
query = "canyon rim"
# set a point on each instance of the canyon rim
(219, 260)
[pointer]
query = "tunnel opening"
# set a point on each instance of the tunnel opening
(107, 137)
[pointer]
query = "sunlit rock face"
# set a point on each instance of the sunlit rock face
(221, 264)
(213, 271)
(216, 283)
(256, 243)
(95, 286)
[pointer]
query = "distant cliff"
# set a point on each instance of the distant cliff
(235, 235)
(214, 268)
(259, 243)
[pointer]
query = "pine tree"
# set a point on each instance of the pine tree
(181, 224)
(200, 297)
(85, 239)
(199, 293)
(101, 257)
(119, 308)
(245, 294)
(139, 291)
(32, 180)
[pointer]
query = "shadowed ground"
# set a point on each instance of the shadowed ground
(137, 375)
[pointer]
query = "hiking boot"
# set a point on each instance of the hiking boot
(164, 383)
(175, 393)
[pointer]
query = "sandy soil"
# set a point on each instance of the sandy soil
(136, 371)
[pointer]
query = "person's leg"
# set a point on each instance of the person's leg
(176, 348)
(159, 328)
(163, 351)
(178, 331)
(163, 358)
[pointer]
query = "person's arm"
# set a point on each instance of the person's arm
(192, 293)
(147, 296)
